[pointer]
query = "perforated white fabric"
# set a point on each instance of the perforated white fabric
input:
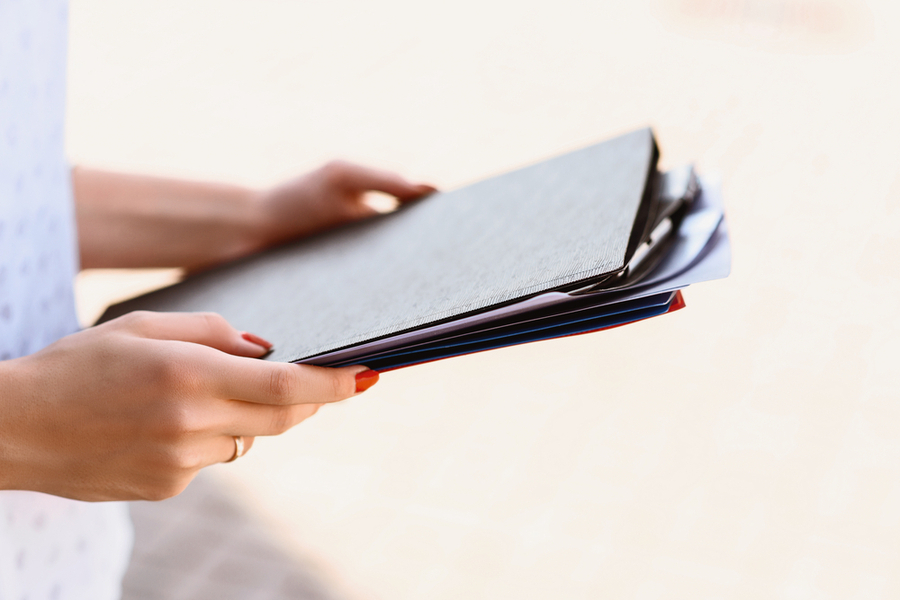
(50, 548)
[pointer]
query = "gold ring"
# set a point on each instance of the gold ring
(238, 448)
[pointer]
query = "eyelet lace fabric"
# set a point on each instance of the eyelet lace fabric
(50, 548)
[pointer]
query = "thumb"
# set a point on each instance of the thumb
(366, 179)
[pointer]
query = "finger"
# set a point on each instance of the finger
(208, 329)
(367, 179)
(276, 419)
(251, 420)
(262, 382)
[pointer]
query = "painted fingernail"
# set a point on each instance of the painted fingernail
(255, 339)
(365, 380)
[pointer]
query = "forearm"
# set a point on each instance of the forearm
(139, 221)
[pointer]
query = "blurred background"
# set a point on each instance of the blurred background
(746, 447)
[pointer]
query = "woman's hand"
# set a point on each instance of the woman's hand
(133, 408)
(135, 221)
(327, 197)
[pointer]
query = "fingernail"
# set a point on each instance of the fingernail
(255, 339)
(365, 380)
(427, 189)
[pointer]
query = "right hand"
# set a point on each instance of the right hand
(134, 408)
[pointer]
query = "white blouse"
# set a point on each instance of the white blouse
(50, 548)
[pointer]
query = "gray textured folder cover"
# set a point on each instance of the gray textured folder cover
(543, 227)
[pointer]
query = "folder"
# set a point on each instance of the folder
(589, 240)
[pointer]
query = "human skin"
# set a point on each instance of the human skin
(134, 221)
(134, 408)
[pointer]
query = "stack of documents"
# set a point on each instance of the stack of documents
(586, 241)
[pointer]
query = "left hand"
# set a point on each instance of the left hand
(327, 197)
(138, 221)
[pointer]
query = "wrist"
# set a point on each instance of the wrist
(253, 225)
(13, 397)
(272, 222)
(238, 227)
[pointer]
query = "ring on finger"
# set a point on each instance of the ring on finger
(238, 448)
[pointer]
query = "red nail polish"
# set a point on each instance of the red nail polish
(365, 380)
(255, 339)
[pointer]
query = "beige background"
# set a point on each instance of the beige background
(747, 447)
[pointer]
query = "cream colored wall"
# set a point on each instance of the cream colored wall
(747, 447)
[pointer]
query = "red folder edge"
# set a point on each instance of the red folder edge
(677, 304)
